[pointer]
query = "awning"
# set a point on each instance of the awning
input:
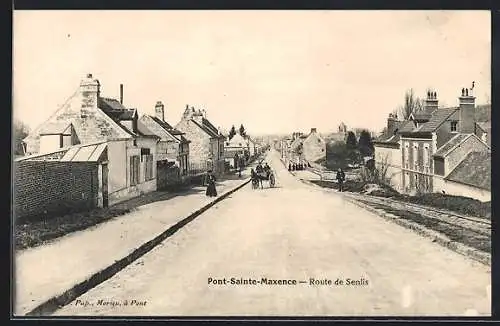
(85, 153)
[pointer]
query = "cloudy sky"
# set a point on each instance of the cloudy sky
(273, 71)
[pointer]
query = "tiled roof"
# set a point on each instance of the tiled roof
(169, 129)
(437, 118)
(144, 131)
(424, 114)
(483, 112)
(451, 144)
(54, 128)
(474, 170)
(485, 126)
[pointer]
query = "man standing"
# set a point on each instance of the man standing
(340, 179)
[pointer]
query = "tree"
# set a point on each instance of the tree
(365, 143)
(351, 140)
(232, 132)
(20, 132)
(411, 104)
(242, 131)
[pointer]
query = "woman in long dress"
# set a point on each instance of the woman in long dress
(211, 190)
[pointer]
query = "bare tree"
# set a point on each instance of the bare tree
(411, 104)
(20, 131)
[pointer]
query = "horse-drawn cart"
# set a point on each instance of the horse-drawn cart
(265, 175)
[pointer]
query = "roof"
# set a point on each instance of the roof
(55, 128)
(167, 127)
(451, 144)
(176, 134)
(483, 112)
(485, 126)
(437, 118)
(474, 170)
(208, 127)
(85, 153)
(212, 128)
(144, 131)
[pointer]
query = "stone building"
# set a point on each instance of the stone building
(206, 148)
(172, 149)
(85, 118)
(314, 146)
(432, 143)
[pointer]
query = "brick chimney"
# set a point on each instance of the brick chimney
(391, 124)
(313, 130)
(160, 111)
(431, 102)
(89, 94)
(467, 111)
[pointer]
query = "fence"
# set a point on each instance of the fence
(43, 189)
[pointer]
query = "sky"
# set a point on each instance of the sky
(272, 71)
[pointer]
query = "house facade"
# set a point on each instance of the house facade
(172, 148)
(87, 117)
(388, 153)
(206, 142)
(314, 146)
(235, 149)
(431, 144)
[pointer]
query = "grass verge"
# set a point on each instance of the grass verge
(453, 232)
(460, 205)
(32, 234)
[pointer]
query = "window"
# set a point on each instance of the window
(134, 170)
(453, 126)
(415, 156)
(426, 158)
(148, 167)
(405, 155)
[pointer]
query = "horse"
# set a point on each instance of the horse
(268, 176)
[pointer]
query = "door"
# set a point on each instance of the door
(105, 185)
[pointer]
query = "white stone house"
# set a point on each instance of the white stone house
(85, 118)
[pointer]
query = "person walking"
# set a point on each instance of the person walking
(340, 179)
(289, 166)
(210, 180)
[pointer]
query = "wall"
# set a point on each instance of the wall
(117, 166)
(460, 152)
(314, 148)
(43, 189)
(444, 131)
(49, 143)
(416, 177)
(391, 157)
(199, 148)
(458, 189)
(119, 169)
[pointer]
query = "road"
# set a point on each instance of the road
(293, 232)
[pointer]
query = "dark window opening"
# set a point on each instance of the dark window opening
(453, 126)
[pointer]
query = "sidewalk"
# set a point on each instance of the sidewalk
(49, 270)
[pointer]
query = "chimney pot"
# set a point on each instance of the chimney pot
(121, 93)
(89, 75)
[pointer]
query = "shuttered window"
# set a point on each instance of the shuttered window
(148, 167)
(134, 170)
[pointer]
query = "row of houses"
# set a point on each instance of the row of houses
(445, 150)
(302, 148)
(119, 154)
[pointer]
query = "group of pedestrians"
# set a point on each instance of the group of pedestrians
(298, 166)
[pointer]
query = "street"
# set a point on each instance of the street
(293, 232)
